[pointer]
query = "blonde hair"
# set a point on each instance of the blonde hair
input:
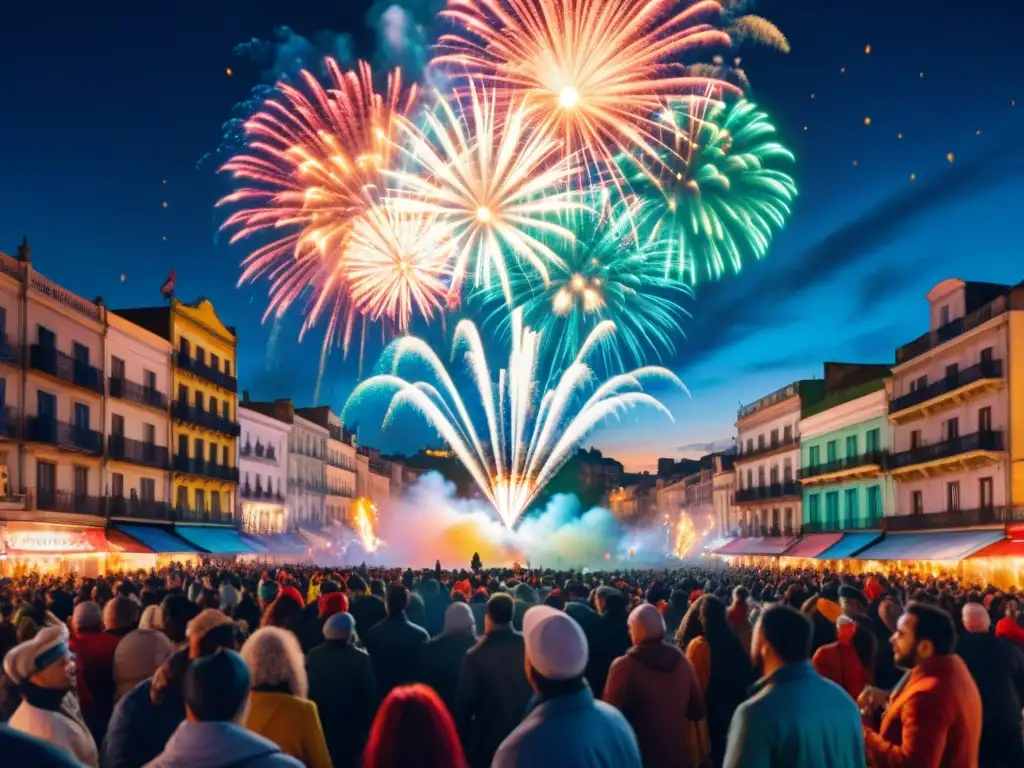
(275, 657)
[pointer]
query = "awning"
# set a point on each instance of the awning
(219, 541)
(317, 537)
(946, 545)
(849, 545)
(812, 545)
(281, 544)
(148, 538)
(769, 545)
(1003, 548)
(716, 544)
(44, 539)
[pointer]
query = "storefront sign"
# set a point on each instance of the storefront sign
(44, 540)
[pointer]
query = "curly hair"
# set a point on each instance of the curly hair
(275, 658)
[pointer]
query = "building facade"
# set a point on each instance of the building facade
(307, 484)
(957, 409)
(724, 494)
(204, 410)
(263, 460)
(339, 463)
(844, 453)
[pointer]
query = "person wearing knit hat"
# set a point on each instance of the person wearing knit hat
(210, 621)
(216, 692)
(267, 592)
(291, 593)
(852, 601)
(332, 603)
(556, 658)
(41, 670)
(229, 597)
(443, 655)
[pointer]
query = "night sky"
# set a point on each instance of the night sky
(111, 117)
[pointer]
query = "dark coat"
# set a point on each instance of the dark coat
(997, 667)
(479, 608)
(493, 693)
(441, 663)
(139, 729)
(395, 645)
(343, 687)
(22, 749)
(309, 628)
(434, 607)
(588, 619)
(655, 686)
(367, 611)
(611, 641)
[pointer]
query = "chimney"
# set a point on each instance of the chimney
(245, 395)
(24, 250)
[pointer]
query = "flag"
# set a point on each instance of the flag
(167, 289)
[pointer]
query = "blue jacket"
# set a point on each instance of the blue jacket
(796, 719)
(139, 729)
(598, 736)
(216, 745)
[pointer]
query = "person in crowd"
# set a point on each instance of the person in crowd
(395, 644)
(655, 686)
(279, 708)
(678, 603)
(1008, 627)
(525, 597)
(739, 616)
(556, 659)
(478, 604)
(286, 612)
(852, 602)
(140, 653)
(795, 718)
(23, 749)
(611, 638)
(850, 661)
(94, 657)
(577, 605)
(416, 611)
(266, 593)
(935, 718)
(216, 695)
(435, 603)
(41, 668)
(145, 718)
(887, 674)
(722, 668)
(413, 727)
(997, 667)
(366, 608)
(176, 611)
(492, 692)
(120, 616)
(342, 685)
(824, 626)
(443, 655)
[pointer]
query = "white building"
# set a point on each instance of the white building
(339, 462)
(263, 463)
(307, 485)
(724, 494)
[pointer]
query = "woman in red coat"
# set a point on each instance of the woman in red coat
(850, 661)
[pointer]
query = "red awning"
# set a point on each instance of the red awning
(1004, 548)
(44, 539)
(812, 545)
(769, 545)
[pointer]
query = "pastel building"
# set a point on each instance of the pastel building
(307, 484)
(263, 460)
(339, 462)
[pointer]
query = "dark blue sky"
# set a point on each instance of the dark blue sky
(102, 103)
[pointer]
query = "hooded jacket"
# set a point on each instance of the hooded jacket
(655, 686)
(217, 745)
(839, 663)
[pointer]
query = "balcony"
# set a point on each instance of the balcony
(868, 523)
(136, 393)
(51, 500)
(929, 341)
(966, 452)
(11, 423)
(50, 361)
(9, 353)
(863, 465)
(137, 452)
(204, 371)
(184, 514)
(768, 492)
(268, 452)
(950, 390)
(42, 429)
(307, 486)
(768, 449)
(187, 466)
(342, 464)
(201, 418)
(751, 531)
(963, 518)
(139, 509)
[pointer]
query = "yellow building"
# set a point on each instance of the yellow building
(204, 411)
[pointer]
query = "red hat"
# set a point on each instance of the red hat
(463, 587)
(292, 593)
(332, 603)
(872, 589)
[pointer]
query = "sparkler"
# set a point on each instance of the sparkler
(364, 518)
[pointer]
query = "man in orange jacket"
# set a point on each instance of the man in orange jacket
(934, 720)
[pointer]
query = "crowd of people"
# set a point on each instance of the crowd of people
(231, 664)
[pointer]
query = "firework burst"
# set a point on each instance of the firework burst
(492, 181)
(528, 432)
(721, 195)
(593, 71)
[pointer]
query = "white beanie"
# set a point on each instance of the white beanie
(48, 647)
(555, 643)
(646, 623)
(976, 618)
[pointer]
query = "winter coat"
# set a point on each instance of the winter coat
(367, 610)
(94, 657)
(291, 723)
(739, 620)
(20, 748)
(603, 737)
(395, 645)
(479, 609)
(725, 678)
(137, 657)
(309, 628)
(441, 662)
(139, 729)
(342, 685)
(219, 745)
(1008, 629)
(997, 667)
(57, 729)
(796, 719)
(655, 686)
(434, 607)
(840, 663)
(492, 694)
(611, 641)
(934, 720)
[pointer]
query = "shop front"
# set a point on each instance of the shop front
(56, 549)
(132, 547)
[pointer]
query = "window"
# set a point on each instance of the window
(200, 501)
(147, 489)
(985, 494)
(787, 434)
(227, 367)
(117, 485)
(775, 520)
(182, 394)
(46, 405)
(775, 474)
(149, 380)
(198, 449)
(951, 428)
(182, 501)
(3, 321)
(832, 509)
(787, 471)
(184, 346)
(213, 453)
(789, 520)
(81, 481)
(874, 502)
(873, 440)
(814, 455)
(226, 410)
(46, 482)
(775, 437)
(953, 496)
(760, 442)
(985, 419)
(917, 502)
(750, 445)
(199, 401)
(45, 337)
(214, 362)
(831, 451)
(915, 439)
(952, 371)
(149, 434)
(760, 476)
(225, 454)
(116, 368)
(200, 355)
(750, 478)
(183, 446)
(213, 405)
(215, 502)
(986, 355)
(943, 315)
(80, 352)
(81, 416)
(851, 446)
(117, 425)
(852, 512)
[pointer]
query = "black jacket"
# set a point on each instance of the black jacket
(395, 647)
(492, 693)
(342, 685)
(611, 641)
(997, 667)
(367, 611)
(588, 619)
(441, 663)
